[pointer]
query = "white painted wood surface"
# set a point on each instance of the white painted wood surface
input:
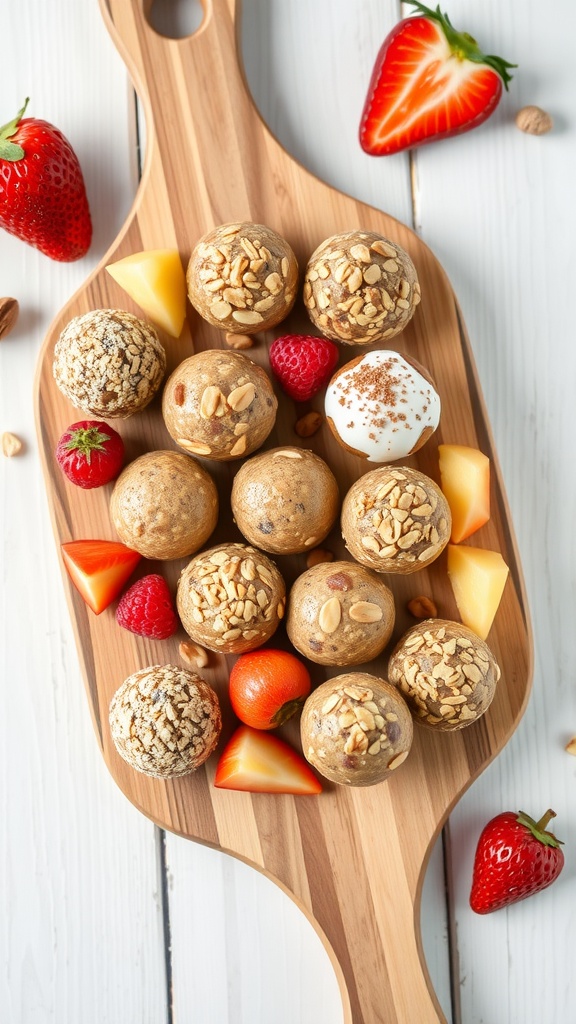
(104, 919)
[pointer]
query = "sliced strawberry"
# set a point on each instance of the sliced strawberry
(99, 569)
(257, 762)
(429, 82)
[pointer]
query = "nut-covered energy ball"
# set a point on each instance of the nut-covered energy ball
(165, 721)
(285, 500)
(219, 405)
(356, 729)
(446, 673)
(164, 505)
(382, 406)
(360, 287)
(340, 613)
(231, 598)
(395, 520)
(109, 363)
(242, 277)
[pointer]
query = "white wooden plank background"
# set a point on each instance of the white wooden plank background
(87, 884)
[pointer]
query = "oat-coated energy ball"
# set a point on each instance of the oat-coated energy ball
(356, 729)
(165, 721)
(360, 288)
(340, 613)
(109, 363)
(395, 519)
(219, 405)
(285, 500)
(445, 672)
(242, 277)
(164, 505)
(231, 598)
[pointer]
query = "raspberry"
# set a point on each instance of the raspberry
(302, 364)
(147, 609)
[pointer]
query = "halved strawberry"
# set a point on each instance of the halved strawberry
(429, 82)
(257, 762)
(99, 569)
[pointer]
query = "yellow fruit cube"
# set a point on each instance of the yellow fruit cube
(465, 481)
(156, 281)
(478, 578)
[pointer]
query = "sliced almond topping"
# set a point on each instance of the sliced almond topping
(330, 615)
(287, 454)
(209, 401)
(246, 316)
(239, 447)
(330, 704)
(194, 446)
(220, 309)
(399, 759)
(365, 611)
(240, 398)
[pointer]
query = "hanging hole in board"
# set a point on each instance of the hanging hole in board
(176, 19)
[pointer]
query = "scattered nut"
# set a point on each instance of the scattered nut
(422, 608)
(534, 121)
(317, 556)
(11, 445)
(239, 341)
(571, 746)
(9, 310)
(193, 654)
(308, 425)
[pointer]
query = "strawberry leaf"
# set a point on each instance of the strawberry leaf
(538, 828)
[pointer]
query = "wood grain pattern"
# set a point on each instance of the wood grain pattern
(344, 857)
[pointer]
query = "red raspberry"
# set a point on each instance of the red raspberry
(90, 453)
(147, 609)
(302, 364)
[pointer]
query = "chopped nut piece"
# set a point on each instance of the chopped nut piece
(11, 445)
(193, 654)
(317, 556)
(9, 310)
(571, 746)
(239, 341)
(533, 120)
(309, 424)
(422, 607)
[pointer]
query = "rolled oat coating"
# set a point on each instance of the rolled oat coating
(165, 721)
(109, 363)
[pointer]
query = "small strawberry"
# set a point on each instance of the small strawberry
(515, 858)
(90, 453)
(302, 364)
(429, 82)
(147, 609)
(42, 194)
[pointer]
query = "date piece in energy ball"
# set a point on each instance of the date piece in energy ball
(446, 673)
(395, 519)
(109, 363)
(356, 729)
(340, 613)
(285, 500)
(164, 505)
(382, 406)
(219, 405)
(165, 721)
(360, 288)
(231, 598)
(242, 277)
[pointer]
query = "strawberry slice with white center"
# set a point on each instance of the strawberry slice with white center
(429, 82)
(258, 762)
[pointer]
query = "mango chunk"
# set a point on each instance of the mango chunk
(478, 578)
(465, 481)
(156, 281)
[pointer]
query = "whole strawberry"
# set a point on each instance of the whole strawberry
(42, 194)
(302, 364)
(90, 453)
(515, 858)
(147, 609)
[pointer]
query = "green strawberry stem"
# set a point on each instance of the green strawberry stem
(86, 441)
(287, 710)
(11, 150)
(463, 45)
(538, 828)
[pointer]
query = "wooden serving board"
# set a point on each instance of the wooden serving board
(352, 859)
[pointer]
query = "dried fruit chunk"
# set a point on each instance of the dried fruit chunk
(478, 578)
(155, 280)
(465, 481)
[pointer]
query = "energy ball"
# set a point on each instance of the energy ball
(395, 520)
(356, 729)
(231, 598)
(285, 500)
(446, 673)
(109, 363)
(219, 405)
(340, 613)
(360, 288)
(165, 721)
(382, 406)
(164, 505)
(242, 278)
